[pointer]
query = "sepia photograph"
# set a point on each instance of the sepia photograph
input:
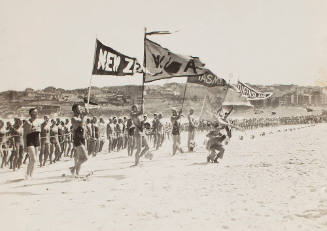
(164, 115)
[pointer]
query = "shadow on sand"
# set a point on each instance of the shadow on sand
(201, 163)
(13, 181)
(18, 193)
(110, 169)
(116, 177)
(45, 183)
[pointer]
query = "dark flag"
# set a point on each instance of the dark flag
(161, 63)
(207, 79)
(107, 61)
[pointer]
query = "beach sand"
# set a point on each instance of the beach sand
(272, 182)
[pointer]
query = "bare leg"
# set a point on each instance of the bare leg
(80, 158)
(138, 148)
(220, 154)
(32, 154)
(51, 152)
(11, 159)
(72, 152)
(46, 153)
(69, 145)
(109, 144)
(146, 146)
(41, 154)
(129, 146)
(4, 158)
(15, 160)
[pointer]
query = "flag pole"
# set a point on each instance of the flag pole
(202, 106)
(89, 90)
(228, 86)
(184, 96)
(144, 65)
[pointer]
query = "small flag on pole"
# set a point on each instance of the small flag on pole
(251, 93)
(158, 32)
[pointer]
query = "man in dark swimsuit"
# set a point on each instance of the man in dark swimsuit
(78, 124)
(31, 140)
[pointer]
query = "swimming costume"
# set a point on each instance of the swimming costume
(33, 139)
(79, 137)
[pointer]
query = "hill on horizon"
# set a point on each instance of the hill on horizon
(118, 99)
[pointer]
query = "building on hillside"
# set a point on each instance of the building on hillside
(308, 96)
(167, 92)
(23, 111)
(29, 90)
(136, 100)
(323, 96)
(120, 97)
(285, 100)
(67, 97)
(316, 97)
(42, 109)
(49, 109)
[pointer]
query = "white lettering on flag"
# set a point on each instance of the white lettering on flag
(102, 59)
(128, 68)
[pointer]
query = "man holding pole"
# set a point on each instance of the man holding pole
(140, 137)
(176, 131)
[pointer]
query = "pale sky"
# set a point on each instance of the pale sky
(51, 43)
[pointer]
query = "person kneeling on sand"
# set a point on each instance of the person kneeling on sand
(216, 138)
(78, 124)
(215, 143)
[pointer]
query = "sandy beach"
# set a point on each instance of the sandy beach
(271, 182)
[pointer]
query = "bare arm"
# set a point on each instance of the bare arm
(230, 111)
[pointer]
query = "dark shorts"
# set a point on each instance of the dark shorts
(216, 142)
(79, 137)
(79, 141)
(33, 139)
(131, 131)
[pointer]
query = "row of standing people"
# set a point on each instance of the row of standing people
(83, 136)
(53, 140)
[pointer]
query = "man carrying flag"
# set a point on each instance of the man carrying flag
(176, 131)
(191, 130)
(140, 138)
